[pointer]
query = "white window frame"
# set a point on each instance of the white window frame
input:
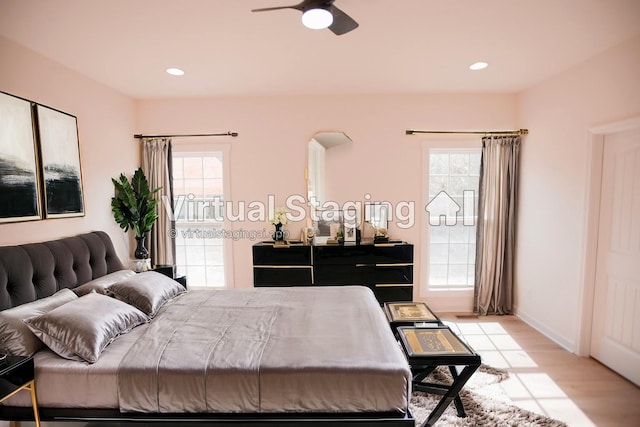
(440, 299)
(205, 148)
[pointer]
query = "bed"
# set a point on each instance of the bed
(312, 356)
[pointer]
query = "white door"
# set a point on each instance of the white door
(615, 339)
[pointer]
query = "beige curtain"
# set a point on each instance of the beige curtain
(495, 244)
(156, 163)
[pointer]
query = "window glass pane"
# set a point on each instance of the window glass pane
(438, 253)
(458, 253)
(474, 164)
(459, 164)
(212, 167)
(198, 190)
(440, 234)
(215, 276)
(193, 167)
(437, 184)
(438, 275)
(439, 164)
(452, 207)
(459, 233)
(458, 274)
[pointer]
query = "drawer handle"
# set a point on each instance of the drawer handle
(282, 266)
(394, 285)
(402, 264)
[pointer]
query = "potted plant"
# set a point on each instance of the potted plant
(134, 208)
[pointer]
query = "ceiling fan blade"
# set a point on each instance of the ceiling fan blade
(300, 6)
(342, 23)
(266, 9)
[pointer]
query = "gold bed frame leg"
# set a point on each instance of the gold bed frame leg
(31, 386)
(34, 402)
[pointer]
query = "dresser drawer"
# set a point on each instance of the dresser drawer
(340, 274)
(391, 293)
(363, 274)
(387, 254)
(291, 255)
(282, 276)
(343, 254)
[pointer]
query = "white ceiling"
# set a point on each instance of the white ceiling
(401, 46)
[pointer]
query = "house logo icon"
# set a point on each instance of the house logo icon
(444, 210)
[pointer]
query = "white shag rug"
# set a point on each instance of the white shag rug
(483, 400)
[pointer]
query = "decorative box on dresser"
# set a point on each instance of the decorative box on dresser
(385, 268)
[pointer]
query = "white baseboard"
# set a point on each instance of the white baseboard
(546, 331)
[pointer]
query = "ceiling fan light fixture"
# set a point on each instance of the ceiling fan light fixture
(317, 18)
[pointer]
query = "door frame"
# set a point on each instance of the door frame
(596, 138)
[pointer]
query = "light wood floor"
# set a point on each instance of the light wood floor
(547, 379)
(543, 377)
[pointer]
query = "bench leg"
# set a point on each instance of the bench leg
(450, 395)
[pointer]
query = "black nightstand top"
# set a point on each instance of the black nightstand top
(9, 363)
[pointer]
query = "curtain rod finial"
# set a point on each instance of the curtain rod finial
(233, 134)
(524, 131)
(409, 132)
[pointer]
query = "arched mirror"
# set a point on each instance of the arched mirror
(323, 148)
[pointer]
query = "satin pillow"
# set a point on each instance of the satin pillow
(82, 329)
(101, 284)
(147, 291)
(15, 337)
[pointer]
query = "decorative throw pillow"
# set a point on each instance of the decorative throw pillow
(82, 329)
(147, 291)
(101, 284)
(15, 337)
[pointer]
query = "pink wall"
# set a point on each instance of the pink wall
(270, 154)
(554, 182)
(105, 126)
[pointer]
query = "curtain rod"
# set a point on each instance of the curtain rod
(461, 132)
(233, 134)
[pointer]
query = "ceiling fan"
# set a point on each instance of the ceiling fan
(318, 14)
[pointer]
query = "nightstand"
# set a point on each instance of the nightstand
(18, 373)
(170, 271)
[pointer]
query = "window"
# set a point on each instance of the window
(199, 194)
(452, 180)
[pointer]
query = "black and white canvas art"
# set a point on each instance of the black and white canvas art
(19, 196)
(61, 171)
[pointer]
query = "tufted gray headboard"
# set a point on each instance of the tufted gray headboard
(36, 270)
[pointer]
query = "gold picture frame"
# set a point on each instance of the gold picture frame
(409, 312)
(432, 342)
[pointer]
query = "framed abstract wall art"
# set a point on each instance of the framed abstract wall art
(19, 188)
(60, 159)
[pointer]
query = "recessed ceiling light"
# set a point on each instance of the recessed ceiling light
(175, 71)
(478, 66)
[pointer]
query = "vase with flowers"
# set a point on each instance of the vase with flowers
(279, 219)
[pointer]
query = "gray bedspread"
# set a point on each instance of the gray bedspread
(314, 349)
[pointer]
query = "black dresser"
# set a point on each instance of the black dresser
(386, 268)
